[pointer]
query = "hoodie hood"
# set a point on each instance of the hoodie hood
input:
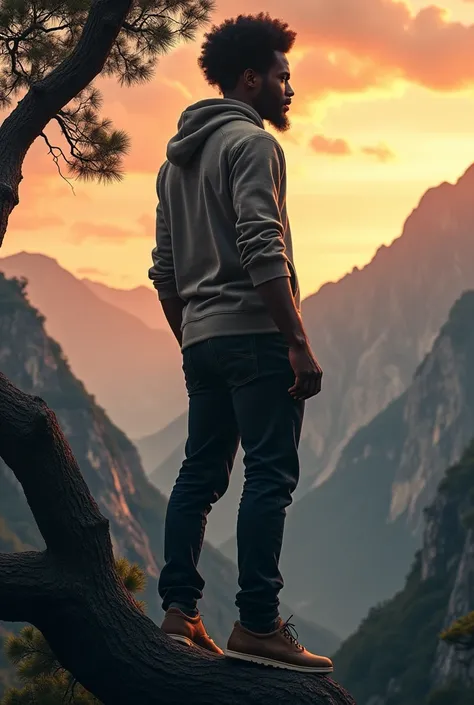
(200, 120)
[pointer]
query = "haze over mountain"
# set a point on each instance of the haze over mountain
(133, 371)
(142, 302)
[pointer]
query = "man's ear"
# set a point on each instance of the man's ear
(250, 78)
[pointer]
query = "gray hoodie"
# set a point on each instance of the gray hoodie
(222, 226)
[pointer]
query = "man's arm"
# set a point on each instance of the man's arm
(256, 177)
(163, 276)
(257, 174)
(278, 298)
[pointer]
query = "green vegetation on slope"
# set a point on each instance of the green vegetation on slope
(393, 650)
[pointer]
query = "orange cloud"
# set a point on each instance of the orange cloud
(327, 145)
(147, 223)
(26, 220)
(87, 271)
(353, 46)
(380, 152)
(348, 47)
(40, 206)
(150, 111)
(340, 147)
(87, 230)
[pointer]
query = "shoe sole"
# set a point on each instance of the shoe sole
(277, 664)
(181, 639)
(189, 642)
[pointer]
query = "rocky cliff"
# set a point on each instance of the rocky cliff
(130, 368)
(110, 465)
(396, 657)
(349, 542)
(371, 329)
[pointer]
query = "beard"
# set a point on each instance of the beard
(270, 107)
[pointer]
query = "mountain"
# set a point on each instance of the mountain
(156, 448)
(141, 302)
(361, 527)
(371, 329)
(133, 371)
(396, 656)
(371, 508)
(111, 467)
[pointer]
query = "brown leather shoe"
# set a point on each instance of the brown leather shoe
(279, 649)
(188, 630)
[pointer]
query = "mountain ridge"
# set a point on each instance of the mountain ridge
(140, 301)
(412, 283)
(133, 370)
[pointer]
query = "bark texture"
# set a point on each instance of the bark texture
(73, 594)
(45, 98)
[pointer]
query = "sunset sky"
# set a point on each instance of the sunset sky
(384, 109)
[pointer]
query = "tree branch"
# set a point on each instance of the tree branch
(116, 652)
(57, 153)
(25, 582)
(34, 447)
(46, 98)
(67, 136)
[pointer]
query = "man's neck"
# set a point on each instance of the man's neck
(237, 95)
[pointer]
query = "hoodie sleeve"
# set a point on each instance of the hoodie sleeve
(162, 273)
(257, 176)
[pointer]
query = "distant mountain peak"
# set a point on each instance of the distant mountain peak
(40, 256)
(468, 175)
(140, 289)
(130, 366)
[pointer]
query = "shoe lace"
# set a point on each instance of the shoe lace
(289, 632)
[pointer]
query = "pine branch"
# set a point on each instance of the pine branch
(57, 153)
(54, 52)
(96, 149)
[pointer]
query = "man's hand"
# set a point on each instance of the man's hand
(308, 372)
(173, 310)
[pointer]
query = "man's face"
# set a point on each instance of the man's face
(274, 98)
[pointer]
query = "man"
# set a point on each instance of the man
(223, 269)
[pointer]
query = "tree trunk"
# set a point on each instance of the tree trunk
(45, 98)
(72, 593)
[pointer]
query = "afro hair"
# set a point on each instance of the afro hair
(247, 42)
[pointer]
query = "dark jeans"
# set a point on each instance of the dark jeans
(238, 391)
